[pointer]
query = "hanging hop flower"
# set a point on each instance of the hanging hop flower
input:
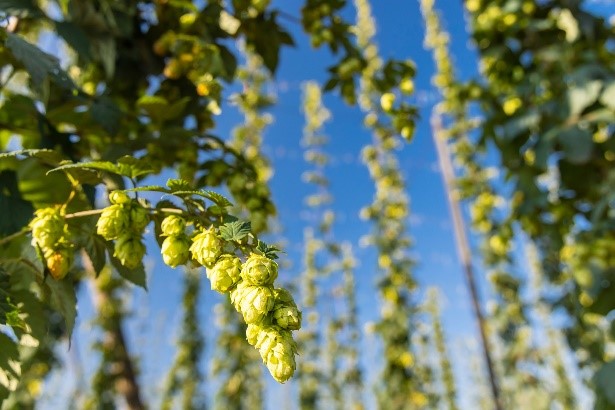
(225, 273)
(253, 302)
(206, 247)
(277, 349)
(129, 249)
(259, 270)
(114, 220)
(285, 311)
(59, 261)
(139, 216)
(173, 225)
(175, 250)
(47, 227)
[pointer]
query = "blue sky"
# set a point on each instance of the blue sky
(157, 313)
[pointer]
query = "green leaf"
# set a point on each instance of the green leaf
(75, 37)
(12, 203)
(149, 188)
(126, 166)
(235, 231)
(107, 114)
(604, 380)
(95, 247)
(608, 95)
(136, 275)
(37, 63)
(582, 96)
(10, 369)
(48, 156)
(9, 311)
(577, 144)
(178, 185)
(154, 105)
(60, 294)
(266, 250)
(20, 8)
(215, 197)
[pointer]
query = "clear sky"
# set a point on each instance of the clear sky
(400, 34)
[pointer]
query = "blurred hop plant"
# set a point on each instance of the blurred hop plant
(225, 273)
(285, 311)
(50, 235)
(276, 347)
(259, 270)
(206, 247)
(252, 301)
(173, 225)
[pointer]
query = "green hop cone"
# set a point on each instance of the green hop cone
(119, 198)
(285, 311)
(59, 262)
(139, 216)
(253, 330)
(47, 227)
(114, 221)
(253, 302)
(206, 247)
(259, 270)
(225, 273)
(173, 225)
(277, 349)
(129, 250)
(175, 250)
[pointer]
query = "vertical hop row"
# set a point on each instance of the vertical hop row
(124, 221)
(271, 314)
(50, 235)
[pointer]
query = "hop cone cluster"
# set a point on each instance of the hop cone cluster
(50, 234)
(124, 221)
(175, 248)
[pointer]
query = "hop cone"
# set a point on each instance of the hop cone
(285, 311)
(206, 247)
(225, 273)
(113, 222)
(259, 270)
(139, 216)
(119, 198)
(59, 262)
(47, 227)
(129, 250)
(175, 250)
(253, 302)
(277, 349)
(173, 225)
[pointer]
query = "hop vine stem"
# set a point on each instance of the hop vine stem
(463, 249)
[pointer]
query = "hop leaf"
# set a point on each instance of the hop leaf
(225, 273)
(253, 302)
(175, 250)
(259, 270)
(206, 247)
(113, 221)
(129, 250)
(173, 225)
(285, 311)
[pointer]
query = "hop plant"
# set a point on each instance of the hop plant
(59, 262)
(47, 227)
(119, 198)
(175, 250)
(252, 301)
(277, 349)
(225, 273)
(173, 225)
(259, 270)
(139, 216)
(113, 221)
(285, 311)
(206, 248)
(129, 249)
